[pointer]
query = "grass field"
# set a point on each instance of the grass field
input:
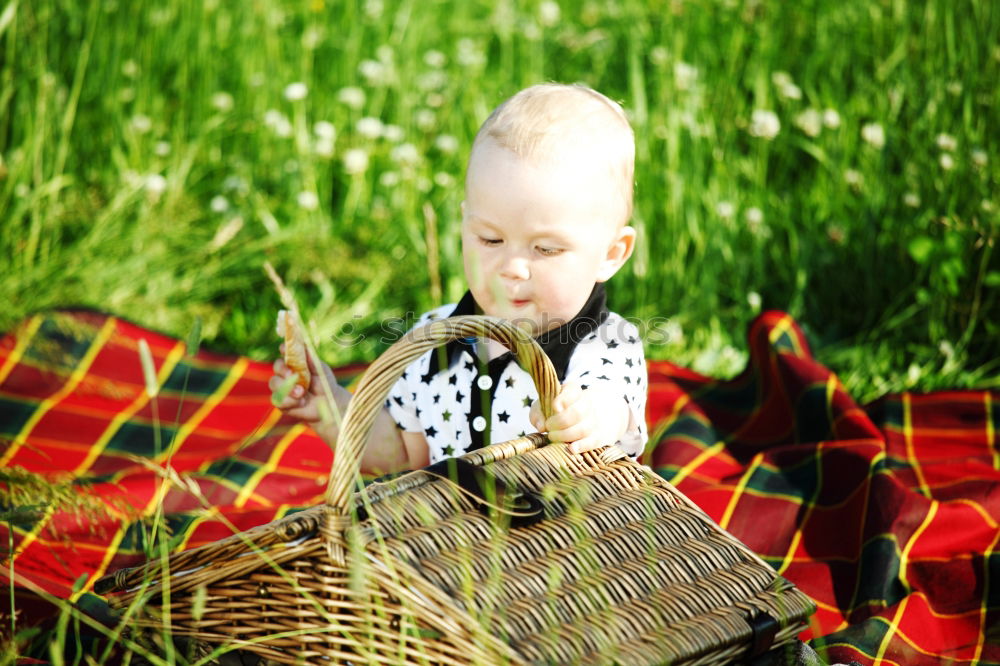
(838, 160)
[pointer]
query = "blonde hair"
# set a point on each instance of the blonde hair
(546, 121)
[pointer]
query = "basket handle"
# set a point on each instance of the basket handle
(383, 373)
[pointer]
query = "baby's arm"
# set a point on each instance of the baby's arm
(388, 449)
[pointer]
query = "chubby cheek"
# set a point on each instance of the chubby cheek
(561, 294)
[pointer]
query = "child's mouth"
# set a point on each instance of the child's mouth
(519, 303)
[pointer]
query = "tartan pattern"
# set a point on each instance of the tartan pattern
(886, 515)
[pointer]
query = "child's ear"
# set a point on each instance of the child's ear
(619, 251)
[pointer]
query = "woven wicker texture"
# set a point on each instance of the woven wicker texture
(520, 553)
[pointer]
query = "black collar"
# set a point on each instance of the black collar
(558, 344)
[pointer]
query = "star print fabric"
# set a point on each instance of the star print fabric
(464, 403)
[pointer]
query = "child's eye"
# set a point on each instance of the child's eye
(489, 242)
(548, 251)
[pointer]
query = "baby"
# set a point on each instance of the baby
(548, 196)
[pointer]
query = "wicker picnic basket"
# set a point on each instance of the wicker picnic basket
(516, 553)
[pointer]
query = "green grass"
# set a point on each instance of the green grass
(152, 162)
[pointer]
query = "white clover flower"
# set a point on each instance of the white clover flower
(226, 232)
(685, 75)
(324, 129)
(979, 157)
(781, 79)
(659, 55)
(435, 100)
(754, 301)
(162, 148)
(219, 204)
(130, 68)
(432, 80)
(234, 183)
(468, 53)
(444, 180)
(278, 123)
(324, 147)
(725, 210)
(141, 123)
(389, 179)
(853, 177)
(435, 59)
(785, 85)
(351, 96)
(312, 37)
(946, 161)
(374, 71)
(373, 9)
(393, 133)
(946, 142)
(831, 119)
(385, 53)
(297, 91)
(810, 121)
(155, 184)
(987, 206)
(791, 91)
(370, 128)
(355, 161)
(673, 332)
(911, 199)
(21, 190)
(425, 119)
(126, 94)
(308, 200)
(764, 124)
(873, 134)
(954, 88)
(272, 117)
(222, 101)
(531, 32)
(548, 13)
(446, 143)
(405, 153)
(755, 223)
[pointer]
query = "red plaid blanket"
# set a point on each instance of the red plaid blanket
(886, 515)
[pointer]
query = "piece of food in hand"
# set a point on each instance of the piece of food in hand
(295, 347)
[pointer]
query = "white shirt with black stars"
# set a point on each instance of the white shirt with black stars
(439, 403)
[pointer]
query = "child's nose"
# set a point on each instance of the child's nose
(515, 267)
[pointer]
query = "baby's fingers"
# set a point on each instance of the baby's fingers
(568, 394)
(570, 433)
(285, 393)
(565, 419)
(586, 444)
(535, 416)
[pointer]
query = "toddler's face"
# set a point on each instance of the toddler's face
(537, 237)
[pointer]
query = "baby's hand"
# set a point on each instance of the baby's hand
(588, 418)
(298, 402)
